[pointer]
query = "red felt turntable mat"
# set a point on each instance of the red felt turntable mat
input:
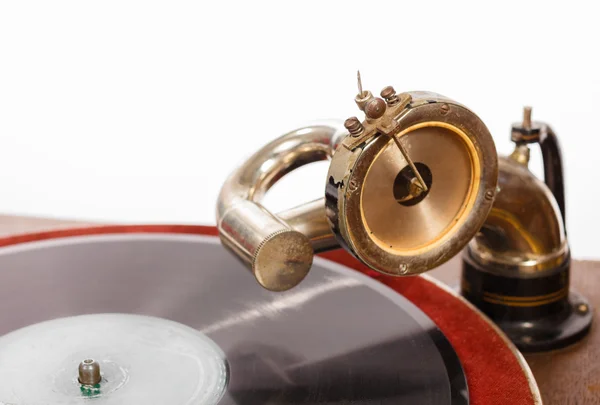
(496, 373)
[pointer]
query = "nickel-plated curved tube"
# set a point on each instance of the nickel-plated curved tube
(278, 248)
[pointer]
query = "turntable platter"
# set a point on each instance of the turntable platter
(140, 359)
(339, 337)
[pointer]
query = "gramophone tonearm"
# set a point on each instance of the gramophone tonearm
(407, 189)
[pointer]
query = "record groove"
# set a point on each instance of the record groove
(340, 337)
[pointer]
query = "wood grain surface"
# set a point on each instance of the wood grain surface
(569, 376)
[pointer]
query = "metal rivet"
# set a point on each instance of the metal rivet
(353, 186)
(403, 268)
(489, 195)
(444, 109)
(89, 372)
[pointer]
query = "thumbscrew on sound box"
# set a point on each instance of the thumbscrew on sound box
(354, 126)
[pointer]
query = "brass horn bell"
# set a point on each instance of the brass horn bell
(407, 189)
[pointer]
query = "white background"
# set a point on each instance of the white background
(137, 111)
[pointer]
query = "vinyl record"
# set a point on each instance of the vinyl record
(338, 338)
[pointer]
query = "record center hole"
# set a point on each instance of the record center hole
(406, 185)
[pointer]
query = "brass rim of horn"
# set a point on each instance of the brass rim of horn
(279, 248)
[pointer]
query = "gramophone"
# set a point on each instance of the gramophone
(339, 310)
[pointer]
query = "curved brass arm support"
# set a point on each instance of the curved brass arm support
(278, 249)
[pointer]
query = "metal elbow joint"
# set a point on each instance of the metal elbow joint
(278, 248)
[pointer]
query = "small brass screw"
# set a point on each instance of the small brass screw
(353, 126)
(582, 308)
(390, 96)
